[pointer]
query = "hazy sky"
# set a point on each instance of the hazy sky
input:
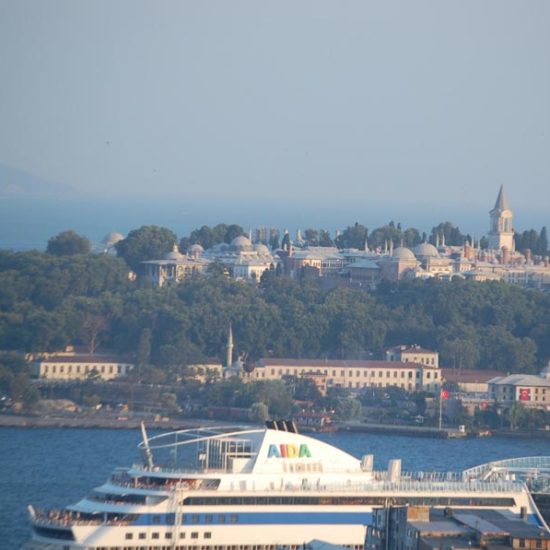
(330, 102)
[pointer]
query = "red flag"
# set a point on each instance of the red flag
(444, 394)
(525, 394)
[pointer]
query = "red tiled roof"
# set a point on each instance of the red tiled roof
(97, 359)
(470, 376)
(340, 363)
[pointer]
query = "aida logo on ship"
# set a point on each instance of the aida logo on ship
(288, 451)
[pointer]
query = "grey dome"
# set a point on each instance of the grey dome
(261, 249)
(241, 243)
(175, 254)
(426, 250)
(112, 238)
(402, 253)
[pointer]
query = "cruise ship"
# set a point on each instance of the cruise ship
(253, 489)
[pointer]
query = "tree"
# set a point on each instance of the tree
(149, 242)
(93, 326)
(324, 238)
(208, 236)
(354, 236)
(68, 243)
(452, 234)
(516, 415)
(311, 237)
(144, 347)
(259, 413)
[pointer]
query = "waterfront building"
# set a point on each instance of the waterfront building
(80, 366)
(425, 528)
(413, 354)
(531, 390)
(351, 374)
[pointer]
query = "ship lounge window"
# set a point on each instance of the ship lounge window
(63, 534)
(194, 518)
(156, 520)
(208, 518)
(221, 518)
(234, 518)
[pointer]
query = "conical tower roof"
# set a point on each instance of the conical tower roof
(502, 200)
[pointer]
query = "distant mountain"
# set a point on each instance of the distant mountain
(15, 182)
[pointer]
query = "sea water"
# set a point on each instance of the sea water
(56, 467)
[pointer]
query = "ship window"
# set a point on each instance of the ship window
(155, 535)
(129, 536)
(234, 518)
(182, 535)
(167, 535)
(156, 520)
(141, 536)
(208, 535)
(194, 535)
(208, 518)
(194, 518)
(221, 518)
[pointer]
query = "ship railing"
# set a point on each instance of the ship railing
(67, 519)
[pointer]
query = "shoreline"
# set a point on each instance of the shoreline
(170, 424)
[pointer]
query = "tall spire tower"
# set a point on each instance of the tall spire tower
(501, 233)
(229, 348)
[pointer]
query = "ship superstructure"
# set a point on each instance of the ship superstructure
(253, 489)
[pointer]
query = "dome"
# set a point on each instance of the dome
(402, 253)
(426, 250)
(112, 238)
(261, 249)
(175, 254)
(196, 248)
(241, 243)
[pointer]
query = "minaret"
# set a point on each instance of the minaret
(501, 232)
(229, 348)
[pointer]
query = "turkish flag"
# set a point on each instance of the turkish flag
(444, 394)
(524, 394)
